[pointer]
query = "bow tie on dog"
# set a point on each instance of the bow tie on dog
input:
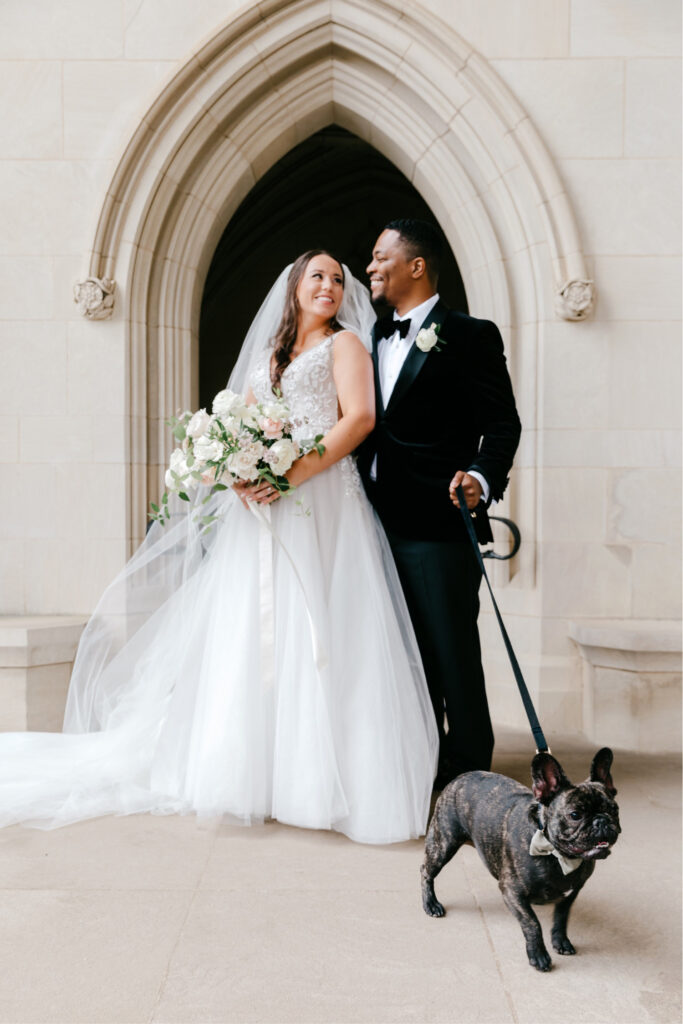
(387, 327)
(540, 844)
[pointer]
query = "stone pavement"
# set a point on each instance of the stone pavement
(157, 919)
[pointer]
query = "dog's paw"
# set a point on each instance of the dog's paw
(561, 944)
(433, 907)
(540, 959)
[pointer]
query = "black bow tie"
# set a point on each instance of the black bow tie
(387, 327)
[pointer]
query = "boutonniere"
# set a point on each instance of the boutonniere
(428, 338)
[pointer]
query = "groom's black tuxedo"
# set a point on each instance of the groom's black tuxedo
(451, 408)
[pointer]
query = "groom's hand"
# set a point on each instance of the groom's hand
(471, 489)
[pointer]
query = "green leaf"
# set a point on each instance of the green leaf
(209, 519)
(164, 500)
(155, 508)
(189, 459)
(219, 487)
(179, 432)
(181, 494)
(168, 514)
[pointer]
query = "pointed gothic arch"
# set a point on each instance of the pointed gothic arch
(402, 80)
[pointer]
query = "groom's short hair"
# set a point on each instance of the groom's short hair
(420, 239)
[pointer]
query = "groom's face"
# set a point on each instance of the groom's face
(390, 270)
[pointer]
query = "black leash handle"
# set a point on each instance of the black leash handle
(516, 540)
(541, 744)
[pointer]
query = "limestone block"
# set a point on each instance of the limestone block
(638, 288)
(96, 369)
(646, 513)
(103, 100)
(26, 288)
(576, 105)
(34, 367)
(626, 207)
(73, 28)
(11, 575)
(9, 438)
(588, 579)
(625, 28)
(575, 384)
(656, 574)
(158, 30)
(108, 436)
(652, 125)
(626, 448)
(632, 682)
(42, 205)
(36, 658)
(573, 505)
(66, 500)
(69, 575)
(644, 378)
(30, 110)
(33, 698)
(509, 28)
(56, 439)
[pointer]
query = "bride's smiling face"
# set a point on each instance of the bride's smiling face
(321, 287)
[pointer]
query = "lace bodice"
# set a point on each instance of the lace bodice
(308, 388)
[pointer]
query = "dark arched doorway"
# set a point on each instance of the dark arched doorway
(332, 191)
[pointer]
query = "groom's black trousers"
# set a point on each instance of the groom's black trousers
(440, 580)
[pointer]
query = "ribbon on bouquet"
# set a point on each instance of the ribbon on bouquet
(267, 590)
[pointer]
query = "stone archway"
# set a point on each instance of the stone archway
(332, 190)
(270, 78)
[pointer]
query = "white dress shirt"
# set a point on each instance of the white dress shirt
(392, 353)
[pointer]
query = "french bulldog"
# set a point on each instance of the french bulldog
(540, 844)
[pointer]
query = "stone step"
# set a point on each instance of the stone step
(36, 658)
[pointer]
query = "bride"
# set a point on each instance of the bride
(266, 668)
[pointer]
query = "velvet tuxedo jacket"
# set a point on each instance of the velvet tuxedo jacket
(451, 408)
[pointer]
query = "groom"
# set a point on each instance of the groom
(445, 416)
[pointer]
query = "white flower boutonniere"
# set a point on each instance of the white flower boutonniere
(428, 338)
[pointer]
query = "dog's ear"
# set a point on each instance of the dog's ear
(600, 770)
(547, 776)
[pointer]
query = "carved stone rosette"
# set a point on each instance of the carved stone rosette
(575, 299)
(95, 297)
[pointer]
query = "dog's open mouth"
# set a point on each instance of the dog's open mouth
(601, 849)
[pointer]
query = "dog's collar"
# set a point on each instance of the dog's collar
(541, 846)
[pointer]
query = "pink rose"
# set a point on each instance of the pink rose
(272, 428)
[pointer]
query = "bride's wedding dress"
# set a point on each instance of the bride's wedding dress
(196, 688)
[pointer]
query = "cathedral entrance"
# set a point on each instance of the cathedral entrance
(333, 191)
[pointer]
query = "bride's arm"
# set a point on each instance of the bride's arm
(353, 379)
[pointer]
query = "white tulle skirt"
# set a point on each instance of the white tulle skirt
(196, 687)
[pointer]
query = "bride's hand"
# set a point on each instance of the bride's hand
(263, 493)
(244, 491)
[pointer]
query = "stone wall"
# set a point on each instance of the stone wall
(597, 483)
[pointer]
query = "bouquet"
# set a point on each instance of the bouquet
(237, 441)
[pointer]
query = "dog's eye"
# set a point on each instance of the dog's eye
(574, 815)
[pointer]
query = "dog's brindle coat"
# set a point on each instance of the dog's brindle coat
(499, 817)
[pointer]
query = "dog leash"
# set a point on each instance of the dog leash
(541, 744)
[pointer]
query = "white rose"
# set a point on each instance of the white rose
(427, 338)
(228, 403)
(250, 416)
(178, 465)
(207, 449)
(199, 424)
(276, 411)
(281, 456)
(244, 463)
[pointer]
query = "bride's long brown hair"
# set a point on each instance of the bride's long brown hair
(285, 336)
